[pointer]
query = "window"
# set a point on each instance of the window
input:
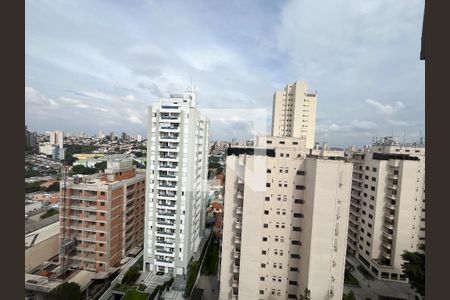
(367, 168)
(299, 201)
(268, 184)
(266, 212)
(366, 186)
(292, 282)
(299, 187)
(261, 292)
(298, 215)
(368, 244)
(295, 256)
(374, 169)
(369, 234)
(269, 171)
(296, 228)
(102, 193)
(263, 265)
(266, 225)
(263, 252)
(267, 198)
(300, 172)
(370, 225)
(262, 278)
(282, 142)
(294, 242)
(269, 142)
(372, 188)
(366, 177)
(293, 269)
(264, 239)
(374, 179)
(370, 216)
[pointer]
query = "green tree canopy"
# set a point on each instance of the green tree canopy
(101, 166)
(54, 187)
(414, 268)
(66, 291)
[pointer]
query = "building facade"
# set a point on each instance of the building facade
(177, 169)
(285, 222)
(294, 113)
(387, 210)
(102, 217)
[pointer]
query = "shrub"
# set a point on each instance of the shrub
(66, 291)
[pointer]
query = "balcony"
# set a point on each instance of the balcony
(385, 254)
(391, 196)
(389, 226)
(165, 233)
(237, 252)
(234, 283)
(387, 234)
(392, 186)
(237, 240)
(168, 158)
(392, 176)
(166, 261)
(240, 195)
(164, 242)
(240, 181)
(235, 269)
(168, 176)
(239, 210)
(166, 128)
(237, 225)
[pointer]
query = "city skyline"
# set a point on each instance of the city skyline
(363, 58)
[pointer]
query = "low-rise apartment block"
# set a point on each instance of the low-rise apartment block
(102, 217)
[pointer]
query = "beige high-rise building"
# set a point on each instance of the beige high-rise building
(387, 211)
(285, 221)
(294, 113)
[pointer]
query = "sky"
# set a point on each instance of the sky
(97, 65)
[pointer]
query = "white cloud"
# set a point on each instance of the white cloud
(130, 98)
(363, 125)
(382, 108)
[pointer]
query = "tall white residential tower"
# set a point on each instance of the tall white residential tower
(294, 113)
(177, 169)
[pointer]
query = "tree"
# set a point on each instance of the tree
(350, 296)
(131, 275)
(306, 295)
(66, 291)
(414, 268)
(101, 166)
(80, 169)
(54, 187)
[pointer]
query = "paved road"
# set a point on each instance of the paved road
(35, 222)
(210, 286)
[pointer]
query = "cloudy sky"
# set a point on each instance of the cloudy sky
(97, 65)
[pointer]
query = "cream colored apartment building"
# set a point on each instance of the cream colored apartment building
(285, 221)
(294, 113)
(387, 210)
